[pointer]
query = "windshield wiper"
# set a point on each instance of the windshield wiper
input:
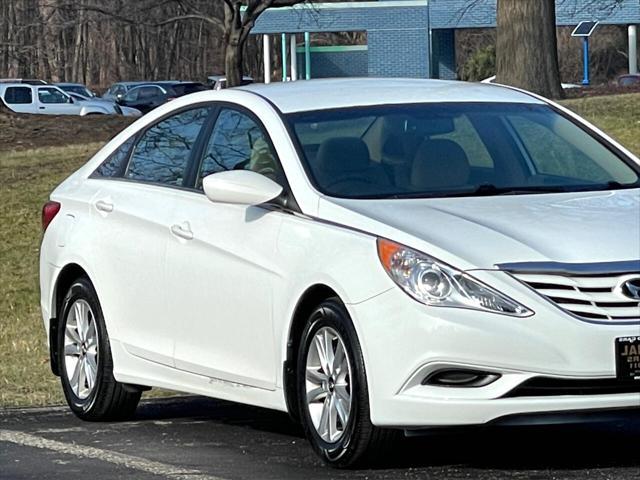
(482, 190)
(490, 189)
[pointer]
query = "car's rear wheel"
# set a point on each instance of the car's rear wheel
(86, 366)
(332, 390)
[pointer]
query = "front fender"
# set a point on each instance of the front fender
(316, 253)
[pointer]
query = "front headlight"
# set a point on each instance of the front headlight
(434, 283)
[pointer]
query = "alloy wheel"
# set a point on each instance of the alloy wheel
(328, 384)
(81, 349)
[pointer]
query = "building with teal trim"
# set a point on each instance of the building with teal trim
(405, 38)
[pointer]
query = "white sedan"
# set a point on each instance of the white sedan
(372, 256)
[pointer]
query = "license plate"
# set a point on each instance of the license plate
(628, 358)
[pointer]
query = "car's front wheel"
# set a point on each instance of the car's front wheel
(332, 390)
(86, 366)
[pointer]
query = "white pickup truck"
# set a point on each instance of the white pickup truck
(50, 100)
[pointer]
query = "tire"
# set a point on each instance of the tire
(83, 334)
(353, 440)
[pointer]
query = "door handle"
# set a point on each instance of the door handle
(182, 231)
(41, 108)
(104, 206)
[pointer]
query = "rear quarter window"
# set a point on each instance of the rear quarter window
(18, 96)
(116, 163)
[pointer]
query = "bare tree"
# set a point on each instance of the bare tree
(238, 23)
(526, 50)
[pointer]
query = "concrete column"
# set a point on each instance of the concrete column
(633, 49)
(307, 56)
(285, 61)
(266, 51)
(294, 58)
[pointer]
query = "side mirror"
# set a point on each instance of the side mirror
(242, 187)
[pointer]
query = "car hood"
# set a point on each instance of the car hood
(96, 102)
(482, 232)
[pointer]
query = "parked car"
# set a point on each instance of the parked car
(23, 80)
(126, 111)
(149, 96)
(372, 256)
(78, 89)
(49, 100)
(119, 90)
(630, 80)
(218, 82)
(564, 85)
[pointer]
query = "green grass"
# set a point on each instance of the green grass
(27, 178)
(617, 115)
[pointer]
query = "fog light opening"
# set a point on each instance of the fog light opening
(460, 378)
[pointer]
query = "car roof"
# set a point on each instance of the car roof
(306, 95)
(68, 84)
(129, 84)
(165, 84)
(23, 81)
(223, 77)
(24, 85)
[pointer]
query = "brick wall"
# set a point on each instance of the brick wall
(398, 37)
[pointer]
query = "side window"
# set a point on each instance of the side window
(238, 143)
(18, 96)
(115, 163)
(149, 92)
(162, 153)
(132, 95)
(52, 95)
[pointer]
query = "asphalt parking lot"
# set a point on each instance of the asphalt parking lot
(203, 439)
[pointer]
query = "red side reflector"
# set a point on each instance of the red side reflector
(49, 211)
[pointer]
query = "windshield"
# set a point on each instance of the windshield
(78, 90)
(453, 149)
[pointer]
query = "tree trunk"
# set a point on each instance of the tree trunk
(233, 64)
(233, 45)
(527, 51)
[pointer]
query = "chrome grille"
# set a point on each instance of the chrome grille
(591, 296)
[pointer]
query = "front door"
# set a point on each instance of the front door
(221, 264)
(52, 101)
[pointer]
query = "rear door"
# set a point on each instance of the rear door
(133, 223)
(20, 99)
(221, 265)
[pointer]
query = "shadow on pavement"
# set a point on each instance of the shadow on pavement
(490, 448)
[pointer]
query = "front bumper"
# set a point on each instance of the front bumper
(404, 341)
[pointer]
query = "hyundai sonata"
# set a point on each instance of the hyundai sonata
(371, 256)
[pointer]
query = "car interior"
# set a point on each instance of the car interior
(396, 154)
